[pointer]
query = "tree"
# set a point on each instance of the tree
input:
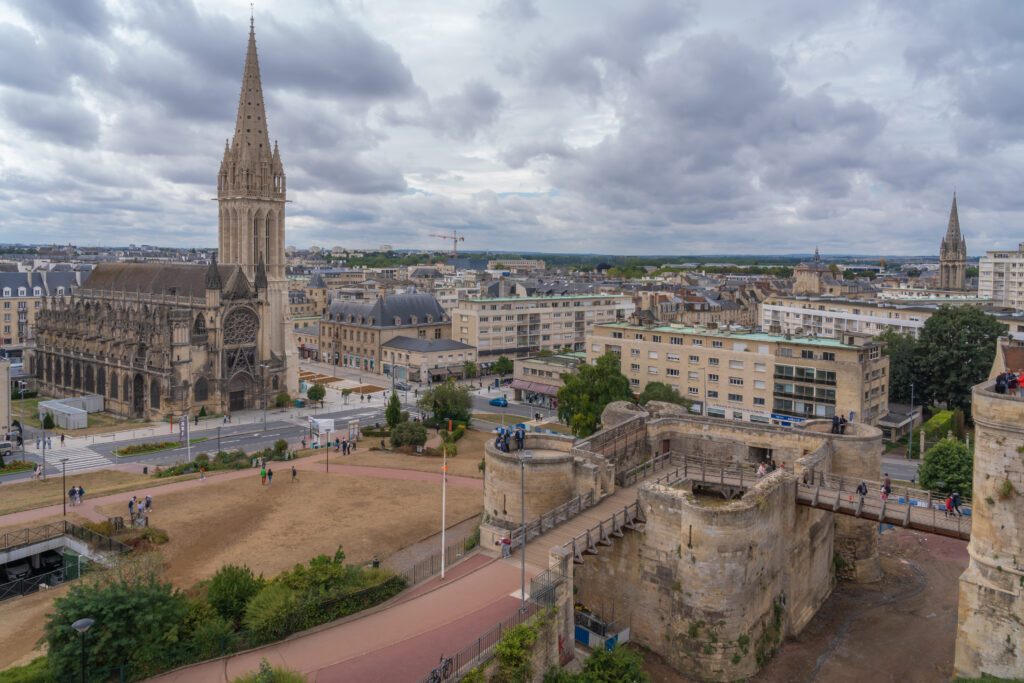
(469, 369)
(503, 366)
(587, 391)
(833, 269)
(316, 393)
(139, 622)
(230, 589)
(282, 399)
(971, 271)
(913, 272)
(947, 467)
(955, 351)
(446, 401)
(659, 391)
(619, 665)
(902, 352)
(408, 434)
(393, 413)
(345, 393)
(48, 421)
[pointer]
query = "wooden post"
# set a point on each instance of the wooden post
(932, 508)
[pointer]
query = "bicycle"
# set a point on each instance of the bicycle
(442, 672)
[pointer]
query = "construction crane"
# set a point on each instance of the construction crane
(455, 237)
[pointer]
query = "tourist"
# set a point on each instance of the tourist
(887, 483)
(842, 424)
(131, 507)
(225, 419)
(956, 503)
(1001, 383)
(149, 503)
(506, 545)
(72, 495)
(303, 442)
(835, 424)
(80, 495)
(62, 439)
(295, 474)
(37, 442)
(884, 492)
(761, 470)
(862, 490)
(772, 466)
(270, 476)
(202, 473)
(263, 476)
(49, 442)
(1012, 384)
(949, 505)
(197, 419)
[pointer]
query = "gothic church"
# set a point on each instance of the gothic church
(160, 339)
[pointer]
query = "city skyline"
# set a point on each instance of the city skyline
(659, 127)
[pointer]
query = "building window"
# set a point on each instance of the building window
(634, 353)
(736, 381)
(635, 367)
(676, 340)
(634, 382)
(672, 372)
(759, 367)
(651, 370)
(805, 353)
(828, 355)
(716, 412)
(712, 394)
(672, 357)
(712, 377)
(694, 359)
(656, 338)
(736, 398)
(716, 344)
(759, 384)
(692, 391)
(736, 364)
(736, 415)
(693, 375)
(712, 361)
(758, 401)
(697, 342)
(653, 355)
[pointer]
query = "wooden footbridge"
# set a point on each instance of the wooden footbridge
(583, 527)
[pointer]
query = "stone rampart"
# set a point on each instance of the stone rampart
(552, 477)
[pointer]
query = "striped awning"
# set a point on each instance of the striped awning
(535, 387)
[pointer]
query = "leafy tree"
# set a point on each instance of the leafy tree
(469, 369)
(48, 421)
(393, 413)
(503, 366)
(659, 391)
(345, 393)
(619, 665)
(316, 393)
(408, 434)
(902, 352)
(913, 272)
(587, 391)
(833, 269)
(947, 467)
(230, 590)
(447, 401)
(139, 622)
(282, 399)
(972, 271)
(955, 351)
(209, 634)
(280, 446)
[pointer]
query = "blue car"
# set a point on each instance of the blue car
(500, 402)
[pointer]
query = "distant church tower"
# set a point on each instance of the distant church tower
(251, 197)
(953, 254)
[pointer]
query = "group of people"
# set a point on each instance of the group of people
(506, 435)
(139, 507)
(75, 495)
(768, 466)
(1010, 382)
(49, 441)
(839, 424)
(953, 503)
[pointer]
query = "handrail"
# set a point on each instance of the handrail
(45, 532)
(552, 518)
(629, 477)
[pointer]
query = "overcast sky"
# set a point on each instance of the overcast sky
(639, 127)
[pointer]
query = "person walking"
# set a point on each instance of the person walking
(956, 503)
(887, 483)
(72, 494)
(263, 476)
(295, 474)
(225, 419)
(270, 476)
(80, 495)
(37, 442)
(62, 439)
(862, 490)
(202, 473)
(149, 503)
(761, 470)
(506, 545)
(835, 424)
(842, 424)
(948, 505)
(131, 509)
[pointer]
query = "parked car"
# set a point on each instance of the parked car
(499, 402)
(50, 560)
(6, 449)
(401, 386)
(18, 569)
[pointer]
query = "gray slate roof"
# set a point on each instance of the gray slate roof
(185, 279)
(47, 281)
(415, 344)
(395, 310)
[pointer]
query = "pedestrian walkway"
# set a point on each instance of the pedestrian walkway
(80, 457)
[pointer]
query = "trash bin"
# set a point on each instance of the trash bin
(145, 469)
(375, 563)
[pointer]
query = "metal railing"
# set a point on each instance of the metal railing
(629, 477)
(549, 520)
(429, 566)
(46, 532)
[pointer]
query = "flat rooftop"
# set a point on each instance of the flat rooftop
(738, 335)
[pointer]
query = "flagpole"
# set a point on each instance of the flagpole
(444, 492)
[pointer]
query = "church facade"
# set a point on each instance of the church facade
(169, 339)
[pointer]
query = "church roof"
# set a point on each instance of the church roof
(395, 310)
(953, 229)
(184, 279)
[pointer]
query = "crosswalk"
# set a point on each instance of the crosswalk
(80, 459)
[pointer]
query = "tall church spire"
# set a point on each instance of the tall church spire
(953, 229)
(953, 253)
(251, 121)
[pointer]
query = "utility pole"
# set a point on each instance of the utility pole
(524, 456)
(910, 437)
(444, 502)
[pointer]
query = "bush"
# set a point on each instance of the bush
(282, 400)
(316, 393)
(210, 634)
(514, 652)
(139, 622)
(408, 434)
(947, 467)
(269, 614)
(36, 671)
(230, 590)
(281, 446)
(202, 411)
(202, 459)
(270, 674)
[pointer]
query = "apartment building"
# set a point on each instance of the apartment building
(752, 376)
(536, 380)
(523, 326)
(21, 298)
(1001, 277)
(426, 360)
(516, 265)
(835, 317)
(353, 332)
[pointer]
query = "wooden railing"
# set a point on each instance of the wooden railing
(549, 520)
(629, 477)
(602, 533)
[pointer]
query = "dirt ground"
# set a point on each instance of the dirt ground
(463, 466)
(900, 629)
(271, 528)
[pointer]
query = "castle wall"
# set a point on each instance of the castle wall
(714, 586)
(550, 479)
(990, 614)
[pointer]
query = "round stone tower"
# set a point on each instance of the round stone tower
(990, 619)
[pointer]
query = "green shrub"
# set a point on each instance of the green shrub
(230, 589)
(210, 634)
(36, 671)
(269, 615)
(514, 652)
(282, 400)
(947, 467)
(270, 674)
(202, 411)
(408, 434)
(281, 446)
(202, 459)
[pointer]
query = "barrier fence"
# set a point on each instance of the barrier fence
(549, 520)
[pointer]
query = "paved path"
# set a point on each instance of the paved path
(398, 642)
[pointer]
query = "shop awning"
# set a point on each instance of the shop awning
(535, 387)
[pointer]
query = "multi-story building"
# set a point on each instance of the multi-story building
(449, 295)
(21, 298)
(521, 326)
(1001, 277)
(537, 380)
(516, 265)
(834, 317)
(354, 332)
(425, 360)
(753, 376)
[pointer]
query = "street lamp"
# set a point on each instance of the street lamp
(64, 482)
(83, 625)
(910, 436)
(263, 375)
(524, 457)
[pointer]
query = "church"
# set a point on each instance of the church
(158, 339)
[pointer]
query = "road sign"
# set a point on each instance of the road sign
(321, 425)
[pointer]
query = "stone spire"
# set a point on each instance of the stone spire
(953, 253)
(213, 275)
(251, 122)
(260, 281)
(953, 236)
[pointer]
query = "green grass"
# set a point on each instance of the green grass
(35, 671)
(15, 466)
(143, 448)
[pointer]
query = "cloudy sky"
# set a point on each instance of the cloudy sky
(640, 127)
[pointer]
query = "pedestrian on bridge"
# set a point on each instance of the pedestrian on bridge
(862, 489)
(949, 505)
(956, 503)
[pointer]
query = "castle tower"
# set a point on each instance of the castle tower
(990, 611)
(251, 190)
(953, 254)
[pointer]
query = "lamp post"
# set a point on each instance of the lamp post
(64, 482)
(910, 436)
(82, 626)
(263, 375)
(524, 456)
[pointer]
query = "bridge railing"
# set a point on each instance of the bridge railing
(549, 520)
(601, 533)
(628, 477)
(913, 496)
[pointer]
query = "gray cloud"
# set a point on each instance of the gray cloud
(51, 120)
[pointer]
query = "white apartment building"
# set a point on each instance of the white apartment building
(516, 265)
(522, 326)
(1001, 277)
(832, 317)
